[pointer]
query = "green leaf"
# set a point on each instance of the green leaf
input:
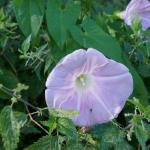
(45, 143)
(51, 123)
(142, 136)
(59, 19)
(62, 113)
(137, 104)
(72, 145)
(123, 146)
(21, 118)
(7, 79)
(67, 127)
(147, 33)
(9, 128)
(30, 129)
(144, 69)
(29, 14)
(110, 136)
(26, 44)
(140, 131)
(140, 90)
(32, 81)
(147, 127)
(91, 35)
(48, 63)
(147, 112)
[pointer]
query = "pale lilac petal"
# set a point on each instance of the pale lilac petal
(49, 97)
(114, 91)
(54, 98)
(113, 83)
(113, 68)
(90, 83)
(75, 61)
(92, 112)
(60, 78)
(144, 5)
(70, 102)
(140, 9)
(94, 59)
(130, 10)
(145, 20)
(63, 73)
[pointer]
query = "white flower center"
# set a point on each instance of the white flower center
(83, 81)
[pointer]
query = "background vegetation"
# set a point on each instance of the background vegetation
(34, 36)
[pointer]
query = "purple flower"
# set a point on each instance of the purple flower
(90, 83)
(138, 9)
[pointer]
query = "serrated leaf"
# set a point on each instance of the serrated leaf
(123, 146)
(142, 136)
(7, 79)
(147, 127)
(21, 118)
(110, 136)
(59, 19)
(67, 127)
(29, 14)
(90, 143)
(140, 131)
(63, 113)
(45, 143)
(72, 145)
(48, 63)
(137, 104)
(30, 129)
(51, 123)
(9, 128)
(147, 112)
(26, 44)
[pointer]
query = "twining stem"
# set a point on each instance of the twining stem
(10, 93)
(38, 112)
(139, 147)
(35, 122)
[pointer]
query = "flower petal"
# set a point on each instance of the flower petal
(70, 102)
(60, 78)
(114, 91)
(75, 61)
(145, 20)
(91, 112)
(114, 84)
(94, 59)
(112, 68)
(55, 98)
(130, 11)
(49, 96)
(140, 8)
(109, 87)
(144, 5)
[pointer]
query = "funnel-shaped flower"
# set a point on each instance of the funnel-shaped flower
(138, 9)
(90, 83)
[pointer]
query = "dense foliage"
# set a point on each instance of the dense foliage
(34, 36)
